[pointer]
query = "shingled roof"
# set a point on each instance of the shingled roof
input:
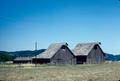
(84, 48)
(52, 49)
(22, 58)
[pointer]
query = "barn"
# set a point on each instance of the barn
(89, 53)
(22, 60)
(57, 53)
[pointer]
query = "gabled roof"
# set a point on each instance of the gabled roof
(51, 51)
(22, 58)
(84, 48)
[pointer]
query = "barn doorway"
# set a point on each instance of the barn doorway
(81, 59)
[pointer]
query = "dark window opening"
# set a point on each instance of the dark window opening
(63, 47)
(95, 47)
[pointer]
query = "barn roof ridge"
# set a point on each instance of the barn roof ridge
(91, 43)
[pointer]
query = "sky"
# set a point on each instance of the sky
(23, 22)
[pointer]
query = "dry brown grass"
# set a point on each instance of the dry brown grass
(100, 72)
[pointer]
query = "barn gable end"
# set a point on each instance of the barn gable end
(63, 56)
(95, 56)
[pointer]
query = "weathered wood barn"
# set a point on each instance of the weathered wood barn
(22, 60)
(57, 53)
(89, 53)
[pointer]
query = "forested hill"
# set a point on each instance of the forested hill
(27, 53)
(5, 56)
(112, 57)
(8, 56)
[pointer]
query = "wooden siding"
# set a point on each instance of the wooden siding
(40, 61)
(22, 61)
(95, 56)
(63, 56)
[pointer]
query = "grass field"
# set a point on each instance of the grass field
(100, 72)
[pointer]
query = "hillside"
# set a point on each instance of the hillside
(8, 56)
(26, 53)
(112, 57)
(5, 56)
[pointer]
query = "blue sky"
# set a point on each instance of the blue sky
(22, 22)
